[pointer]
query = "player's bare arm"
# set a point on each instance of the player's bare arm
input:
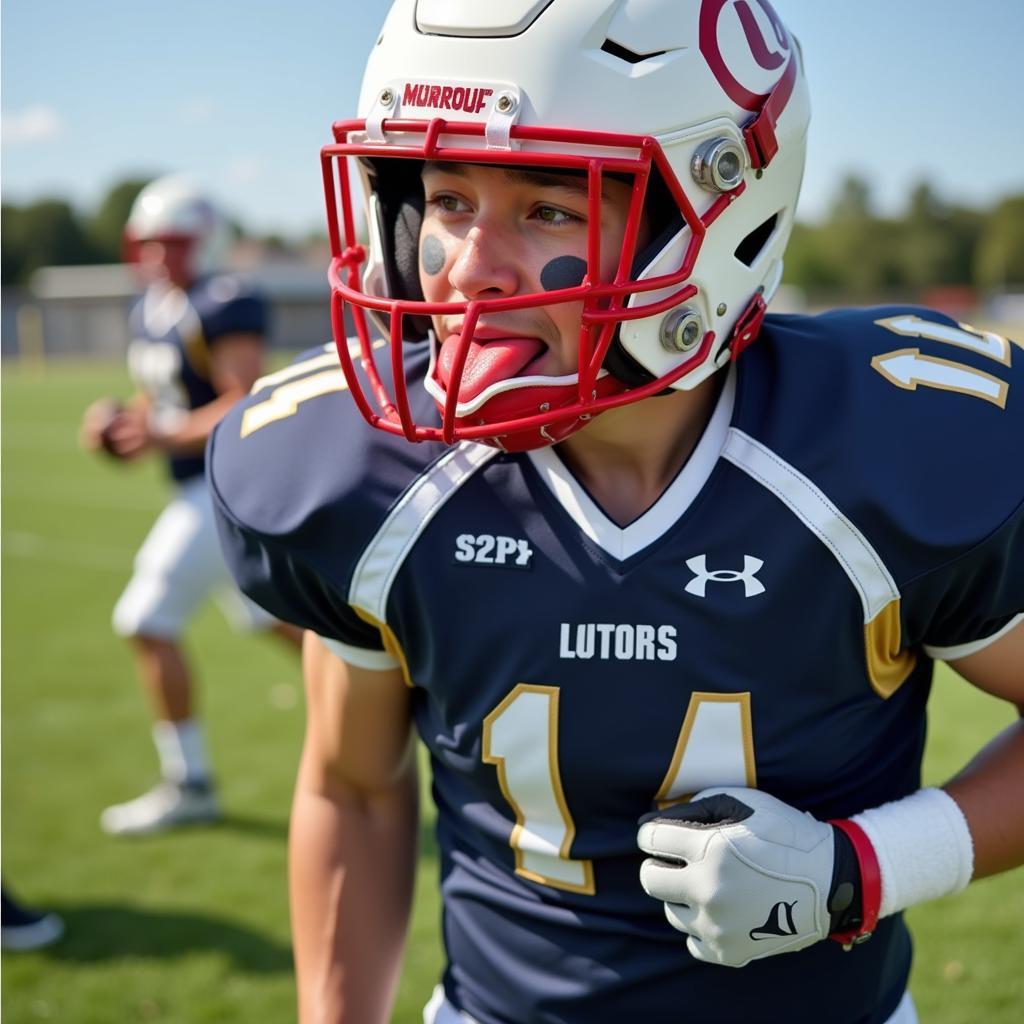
(236, 361)
(353, 840)
(990, 790)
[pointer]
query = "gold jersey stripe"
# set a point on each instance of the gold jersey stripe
(391, 643)
(888, 665)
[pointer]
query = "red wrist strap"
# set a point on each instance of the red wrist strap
(870, 884)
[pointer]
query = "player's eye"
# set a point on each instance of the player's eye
(447, 203)
(554, 215)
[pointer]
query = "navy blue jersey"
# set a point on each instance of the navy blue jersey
(172, 333)
(854, 508)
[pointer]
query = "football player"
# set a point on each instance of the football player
(197, 342)
(620, 546)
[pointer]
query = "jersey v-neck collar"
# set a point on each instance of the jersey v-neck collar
(622, 542)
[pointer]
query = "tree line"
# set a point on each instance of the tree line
(931, 244)
(853, 250)
(50, 232)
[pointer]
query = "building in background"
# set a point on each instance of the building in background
(82, 310)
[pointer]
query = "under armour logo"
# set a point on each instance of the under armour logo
(779, 924)
(699, 565)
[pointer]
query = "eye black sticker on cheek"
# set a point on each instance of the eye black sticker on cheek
(563, 272)
(432, 255)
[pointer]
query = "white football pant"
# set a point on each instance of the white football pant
(177, 568)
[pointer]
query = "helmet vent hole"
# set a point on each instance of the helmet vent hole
(752, 246)
(616, 50)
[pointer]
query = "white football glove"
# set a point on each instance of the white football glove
(744, 875)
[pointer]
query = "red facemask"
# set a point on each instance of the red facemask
(523, 414)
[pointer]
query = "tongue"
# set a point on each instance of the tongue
(486, 363)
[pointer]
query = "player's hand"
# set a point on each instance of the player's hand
(97, 420)
(129, 434)
(744, 875)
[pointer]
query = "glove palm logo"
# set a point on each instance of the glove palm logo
(779, 922)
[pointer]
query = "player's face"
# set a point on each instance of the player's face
(492, 232)
(164, 260)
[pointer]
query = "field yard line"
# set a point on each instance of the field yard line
(36, 548)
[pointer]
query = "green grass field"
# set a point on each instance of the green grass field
(192, 927)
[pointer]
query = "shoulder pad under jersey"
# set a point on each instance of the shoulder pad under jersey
(912, 425)
(229, 304)
(301, 483)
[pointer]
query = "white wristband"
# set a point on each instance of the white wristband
(923, 845)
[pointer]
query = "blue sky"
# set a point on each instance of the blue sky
(242, 96)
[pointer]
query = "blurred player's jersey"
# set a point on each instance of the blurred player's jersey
(853, 508)
(172, 333)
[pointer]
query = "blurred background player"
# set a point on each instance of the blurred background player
(197, 347)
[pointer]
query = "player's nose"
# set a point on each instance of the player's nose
(484, 265)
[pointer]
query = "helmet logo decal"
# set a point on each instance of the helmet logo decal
(746, 47)
(432, 255)
(469, 99)
(768, 59)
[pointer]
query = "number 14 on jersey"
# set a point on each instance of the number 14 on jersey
(907, 368)
(520, 738)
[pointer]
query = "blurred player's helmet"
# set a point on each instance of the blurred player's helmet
(173, 209)
(701, 103)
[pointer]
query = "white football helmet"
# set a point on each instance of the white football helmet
(174, 208)
(702, 104)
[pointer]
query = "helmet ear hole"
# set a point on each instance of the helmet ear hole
(753, 245)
